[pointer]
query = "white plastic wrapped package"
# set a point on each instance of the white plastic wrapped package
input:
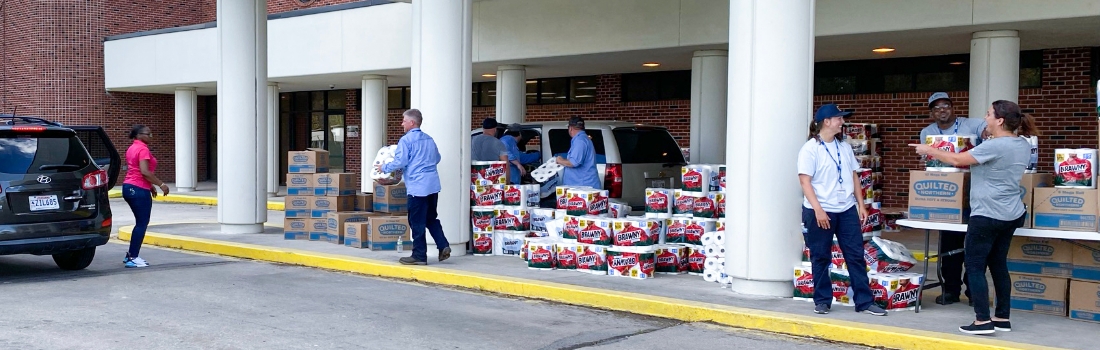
(547, 171)
(888, 256)
(383, 157)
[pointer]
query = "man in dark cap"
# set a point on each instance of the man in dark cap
(486, 147)
(580, 162)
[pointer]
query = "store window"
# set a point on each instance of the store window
(397, 98)
(911, 74)
(656, 86)
(484, 94)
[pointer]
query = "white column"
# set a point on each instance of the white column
(441, 90)
(708, 106)
(187, 149)
(994, 69)
(769, 109)
(373, 130)
(511, 94)
(242, 116)
(273, 139)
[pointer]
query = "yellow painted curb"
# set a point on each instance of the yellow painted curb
(920, 256)
(683, 310)
(200, 200)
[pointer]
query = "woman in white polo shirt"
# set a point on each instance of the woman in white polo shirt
(833, 206)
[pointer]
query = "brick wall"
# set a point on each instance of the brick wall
(209, 8)
(1064, 108)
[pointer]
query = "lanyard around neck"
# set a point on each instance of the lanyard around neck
(838, 160)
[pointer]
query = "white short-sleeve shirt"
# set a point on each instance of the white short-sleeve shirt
(819, 160)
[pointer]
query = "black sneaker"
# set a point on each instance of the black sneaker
(408, 260)
(947, 299)
(444, 253)
(974, 328)
(821, 309)
(874, 310)
(1002, 326)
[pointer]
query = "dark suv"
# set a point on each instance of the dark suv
(53, 189)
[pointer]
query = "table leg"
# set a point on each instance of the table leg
(927, 242)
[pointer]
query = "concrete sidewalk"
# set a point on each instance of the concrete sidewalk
(680, 297)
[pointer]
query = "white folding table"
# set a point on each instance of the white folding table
(1071, 236)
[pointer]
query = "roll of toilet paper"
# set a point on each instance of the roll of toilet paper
(721, 261)
(547, 171)
(382, 157)
(708, 238)
(712, 264)
(720, 238)
(710, 276)
(712, 250)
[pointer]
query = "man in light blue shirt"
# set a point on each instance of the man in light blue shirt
(517, 159)
(418, 156)
(580, 164)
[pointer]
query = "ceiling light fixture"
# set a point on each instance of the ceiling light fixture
(883, 50)
(488, 75)
(650, 64)
(957, 63)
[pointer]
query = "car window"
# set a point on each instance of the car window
(97, 148)
(559, 142)
(647, 145)
(41, 155)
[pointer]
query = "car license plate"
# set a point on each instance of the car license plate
(39, 203)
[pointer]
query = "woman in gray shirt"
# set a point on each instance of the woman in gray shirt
(996, 167)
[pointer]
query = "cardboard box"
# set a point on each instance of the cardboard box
(299, 184)
(1086, 262)
(311, 161)
(334, 184)
(1028, 184)
(364, 202)
(1084, 300)
(322, 205)
(939, 196)
(390, 199)
(295, 229)
(336, 221)
(384, 231)
(318, 228)
(355, 234)
(1038, 294)
(1068, 209)
(1041, 256)
(298, 207)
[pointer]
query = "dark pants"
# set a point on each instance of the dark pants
(849, 235)
(422, 214)
(952, 265)
(987, 242)
(141, 203)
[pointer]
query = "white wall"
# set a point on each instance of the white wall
(375, 39)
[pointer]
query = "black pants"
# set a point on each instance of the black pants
(845, 227)
(987, 243)
(951, 272)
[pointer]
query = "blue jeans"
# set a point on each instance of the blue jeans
(849, 235)
(141, 203)
(987, 244)
(422, 214)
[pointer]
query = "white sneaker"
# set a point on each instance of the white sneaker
(136, 262)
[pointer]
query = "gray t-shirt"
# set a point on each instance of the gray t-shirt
(485, 148)
(995, 180)
(967, 126)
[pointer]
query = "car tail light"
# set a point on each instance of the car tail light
(613, 180)
(28, 128)
(107, 223)
(96, 179)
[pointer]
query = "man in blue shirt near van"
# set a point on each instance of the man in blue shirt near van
(517, 159)
(418, 155)
(580, 162)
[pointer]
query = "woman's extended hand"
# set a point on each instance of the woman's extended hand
(822, 218)
(922, 149)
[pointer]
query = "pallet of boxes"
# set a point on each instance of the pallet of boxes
(1055, 276)
(323, 206)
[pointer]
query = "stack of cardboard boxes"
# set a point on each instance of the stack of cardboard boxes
(1056, 277)
(323, 206)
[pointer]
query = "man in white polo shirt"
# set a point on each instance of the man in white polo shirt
(944, 122)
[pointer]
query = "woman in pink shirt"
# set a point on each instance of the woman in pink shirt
(138, 189)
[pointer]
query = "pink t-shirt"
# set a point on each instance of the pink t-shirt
(137, 152)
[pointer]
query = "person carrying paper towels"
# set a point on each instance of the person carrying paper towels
(833, 206)
(580, 162)
(996, 209)
(517, 159)
(486, 147)
(418, 156)
(944, 122)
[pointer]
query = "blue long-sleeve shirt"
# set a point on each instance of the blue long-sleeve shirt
(418, 156)
(583, 156)
(514, 154)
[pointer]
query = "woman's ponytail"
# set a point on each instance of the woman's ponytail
(815, 130)
(1027, 126)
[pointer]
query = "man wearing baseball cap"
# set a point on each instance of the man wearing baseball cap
(486, 147)
(580, 162)
(517, 159)
(945, 122)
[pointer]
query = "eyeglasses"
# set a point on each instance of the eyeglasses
(941, 108)
(146, 134)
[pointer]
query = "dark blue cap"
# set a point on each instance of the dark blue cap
(828, 111)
